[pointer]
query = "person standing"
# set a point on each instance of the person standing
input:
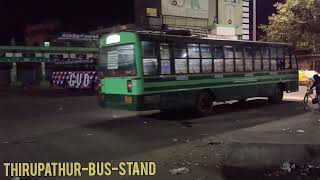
(316, 84)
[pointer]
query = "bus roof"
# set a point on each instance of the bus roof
(166, 37)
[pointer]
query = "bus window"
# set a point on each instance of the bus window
(287, 59)
(164, 51)
(149, 49)
(118, 60)
(194, 66)
(150, 66)
(181, 66)
(218, 59)
(257, 59)
(180, 59)
(281, 63)
(150, 61)
(193, 51)
(165, 59)
(229, 59)
(294, 62)
(265, 59)
(273, 56)
(206, 55)
(239, 60)
(248, 56)
(206, 52)
(194, 58)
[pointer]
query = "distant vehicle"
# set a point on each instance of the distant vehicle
(146, 71)
(304, 77)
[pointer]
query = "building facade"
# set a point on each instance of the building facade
(217, 18)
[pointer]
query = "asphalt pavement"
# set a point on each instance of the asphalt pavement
(55, 126)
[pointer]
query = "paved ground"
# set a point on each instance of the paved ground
(59, 126)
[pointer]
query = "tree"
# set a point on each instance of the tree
(297, 22)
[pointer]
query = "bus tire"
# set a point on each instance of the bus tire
(277, 97)
(204, 103)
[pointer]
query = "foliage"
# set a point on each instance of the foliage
(297, 22)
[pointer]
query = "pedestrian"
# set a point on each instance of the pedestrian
(316, 84)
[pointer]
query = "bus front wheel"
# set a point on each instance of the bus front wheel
(204, 103)
(277, 97)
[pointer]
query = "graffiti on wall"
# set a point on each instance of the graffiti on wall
(77, 80)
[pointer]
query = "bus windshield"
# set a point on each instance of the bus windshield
(117, 61)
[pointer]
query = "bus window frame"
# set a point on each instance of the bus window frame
(252, 58)
(200, 60)
(217, 46)
(290, 53)
(233, 58)
(207, 45)
(263, 58)
(135, 65)
(184, 45)
(221, 47)
(296, 62)
(161, 59)
(242, 55)
(281, 66)
(272, 58)
(157, 56)
(255, 48)
(286, 55)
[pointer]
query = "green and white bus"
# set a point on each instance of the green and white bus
(147, 71)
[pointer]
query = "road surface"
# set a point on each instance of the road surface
(58, 127)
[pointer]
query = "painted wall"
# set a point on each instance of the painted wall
(230, 13)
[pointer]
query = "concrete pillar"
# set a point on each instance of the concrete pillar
(44, 82)
(313, 65)
(14, 81)
(254, 19)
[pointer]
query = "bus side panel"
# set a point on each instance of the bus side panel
(235, 93)
(115, 93)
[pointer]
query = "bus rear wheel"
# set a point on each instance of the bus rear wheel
(204, 103)
(277, 97)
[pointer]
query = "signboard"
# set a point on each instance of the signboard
(77, 80)
(113, 60)
(79, 37)
(186, 8)
(152, 12)
(74, 61)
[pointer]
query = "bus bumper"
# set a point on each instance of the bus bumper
(129, 102)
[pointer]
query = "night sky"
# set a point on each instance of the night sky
(76, 15)
(73, 15)
(265, 9)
